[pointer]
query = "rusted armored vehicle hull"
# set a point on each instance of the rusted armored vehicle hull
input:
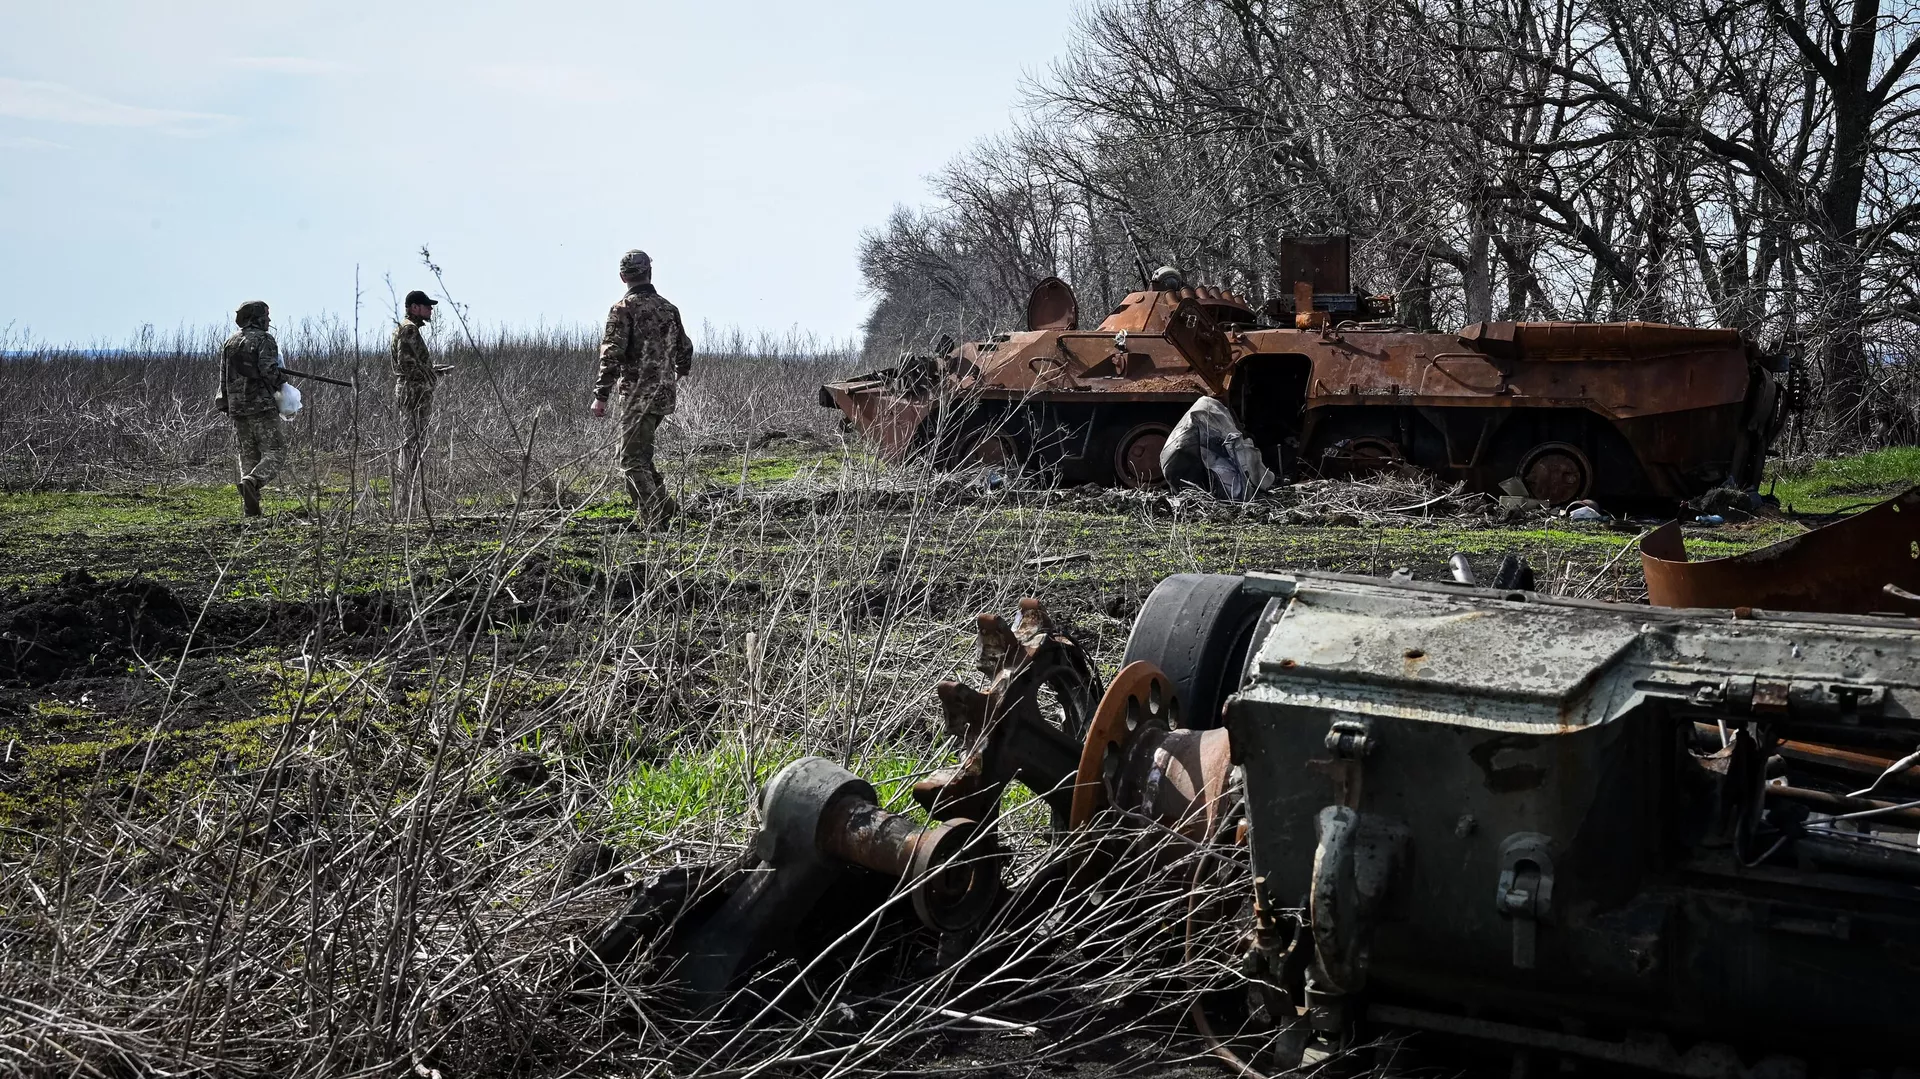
(1617, 411)
(1613, 411)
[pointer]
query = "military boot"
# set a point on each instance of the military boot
(250, 496)
(663, 512)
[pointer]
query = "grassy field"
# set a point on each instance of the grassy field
(1827, 486)
(432, 716)
(812, 529)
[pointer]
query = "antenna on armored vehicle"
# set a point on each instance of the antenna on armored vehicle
(1139, 255)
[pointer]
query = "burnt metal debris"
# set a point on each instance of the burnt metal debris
(1326, 383)
(1864, 564)
(1683, 840)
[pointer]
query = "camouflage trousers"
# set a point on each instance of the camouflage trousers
(637, 428)
(415, 405)
(261, 446)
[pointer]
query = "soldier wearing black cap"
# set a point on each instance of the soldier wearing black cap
(414, 376)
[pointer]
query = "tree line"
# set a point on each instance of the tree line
(1743, 163)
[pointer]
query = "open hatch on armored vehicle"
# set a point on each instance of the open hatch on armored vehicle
(1326, 383)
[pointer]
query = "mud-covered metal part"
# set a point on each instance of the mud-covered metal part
(772, 897)
(1027, 726)
(1846, 566)
(1614, 411)
(654, 907)
(818, 819)
(1502, 811)
(952, 867)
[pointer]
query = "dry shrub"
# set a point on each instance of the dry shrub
(516, 402)
(380, 887)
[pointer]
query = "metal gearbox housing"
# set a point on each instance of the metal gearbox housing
(1496, 810)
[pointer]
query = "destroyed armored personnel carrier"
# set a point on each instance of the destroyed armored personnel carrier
(1326, 384)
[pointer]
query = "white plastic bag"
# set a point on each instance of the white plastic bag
(289, 397)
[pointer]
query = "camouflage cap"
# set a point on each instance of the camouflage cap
(251, 311)
(635, 263)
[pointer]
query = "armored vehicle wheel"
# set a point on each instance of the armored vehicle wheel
(1557, 472)
(1136, 454)
(1196, 628)
(1366, 456)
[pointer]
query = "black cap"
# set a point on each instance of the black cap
(416, 296)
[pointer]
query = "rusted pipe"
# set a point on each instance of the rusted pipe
(1836, 804)
(951, 867)
(855, 830)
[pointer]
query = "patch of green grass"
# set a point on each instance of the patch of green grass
(771, 465)
(99, 514)
(52, 778)
(1839, 482)
(710, 785)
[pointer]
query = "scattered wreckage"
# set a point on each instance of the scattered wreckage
(1868, 563)
(1682, 840)
(1325, 382)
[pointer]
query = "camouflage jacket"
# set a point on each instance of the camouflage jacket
(250, 371)
(646, 348)
(412, 366)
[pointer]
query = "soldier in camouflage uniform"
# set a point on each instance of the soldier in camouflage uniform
(414, 376)
(250, 374)
(645, 350)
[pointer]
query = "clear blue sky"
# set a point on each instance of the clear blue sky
(161, 162)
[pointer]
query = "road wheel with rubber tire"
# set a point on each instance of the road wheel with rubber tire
(1136, 454)
(1557, 473)
(1196, 628)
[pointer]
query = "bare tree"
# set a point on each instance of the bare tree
(1746, 163)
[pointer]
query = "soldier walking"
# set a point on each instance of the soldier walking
(250, 373)
(414, 376)
(645, 351)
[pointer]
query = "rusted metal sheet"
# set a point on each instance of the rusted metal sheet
(1845, 567)
(1322, 262)
(1595, 340)
(1200, 342)
(891, 421)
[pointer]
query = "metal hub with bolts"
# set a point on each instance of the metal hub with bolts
(1137, 760)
